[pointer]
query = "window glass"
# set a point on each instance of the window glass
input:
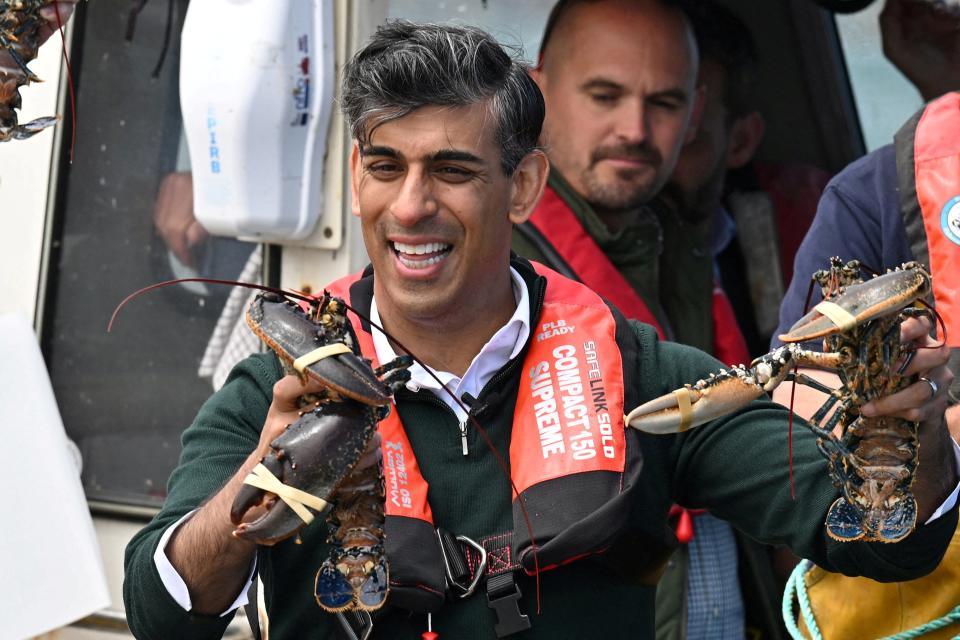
(126, 396)
(514, 24)
(885, 99)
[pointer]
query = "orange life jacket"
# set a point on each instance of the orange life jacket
(928, 173)
(568, 433)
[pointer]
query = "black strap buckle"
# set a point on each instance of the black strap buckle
(460, 580)
(356, 624)
(503, 596)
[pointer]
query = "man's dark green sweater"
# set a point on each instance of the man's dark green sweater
(736, 467)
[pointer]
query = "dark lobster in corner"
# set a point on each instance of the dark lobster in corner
(20, 24)
(327, 463)
(873, 460)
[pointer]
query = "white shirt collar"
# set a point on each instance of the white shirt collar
(504, 345)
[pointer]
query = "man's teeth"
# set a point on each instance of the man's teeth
(439, 249)
(420, 249)
(422, 263)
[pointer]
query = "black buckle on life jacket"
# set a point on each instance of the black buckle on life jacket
(461, 580)
(356, 624)
(503, 596)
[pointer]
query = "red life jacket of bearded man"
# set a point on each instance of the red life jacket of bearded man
(564, 240)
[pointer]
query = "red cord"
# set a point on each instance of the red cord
(66, 59)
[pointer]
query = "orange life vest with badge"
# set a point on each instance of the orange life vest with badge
(568, 439)
(928, 172)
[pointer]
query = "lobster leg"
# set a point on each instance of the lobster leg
(813, 383)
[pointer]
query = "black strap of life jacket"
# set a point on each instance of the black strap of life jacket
(497, 563)
(500, 559)
(553, 258)
(503, 596)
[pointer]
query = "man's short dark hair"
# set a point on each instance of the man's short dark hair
(723, 38)
(407, 65)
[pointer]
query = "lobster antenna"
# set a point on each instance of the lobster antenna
(132, 18)
(793, 395)
(73, 99)
(483, 434)
(233, 283)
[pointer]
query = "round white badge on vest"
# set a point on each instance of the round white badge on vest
(950, 220)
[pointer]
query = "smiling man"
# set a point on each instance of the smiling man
(445, 126)
(435, 202)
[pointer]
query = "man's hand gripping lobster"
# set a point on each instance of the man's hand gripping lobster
(893, 394)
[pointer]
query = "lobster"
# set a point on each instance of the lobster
(873, 460)
(329, 459)
(20, 38)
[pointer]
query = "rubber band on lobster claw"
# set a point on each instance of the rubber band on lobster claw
(263, 478)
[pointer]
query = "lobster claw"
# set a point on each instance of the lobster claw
(313, 455)
(720, 394)
(861, 302)
(286, 329)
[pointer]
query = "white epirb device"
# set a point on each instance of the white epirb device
(256, 92)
